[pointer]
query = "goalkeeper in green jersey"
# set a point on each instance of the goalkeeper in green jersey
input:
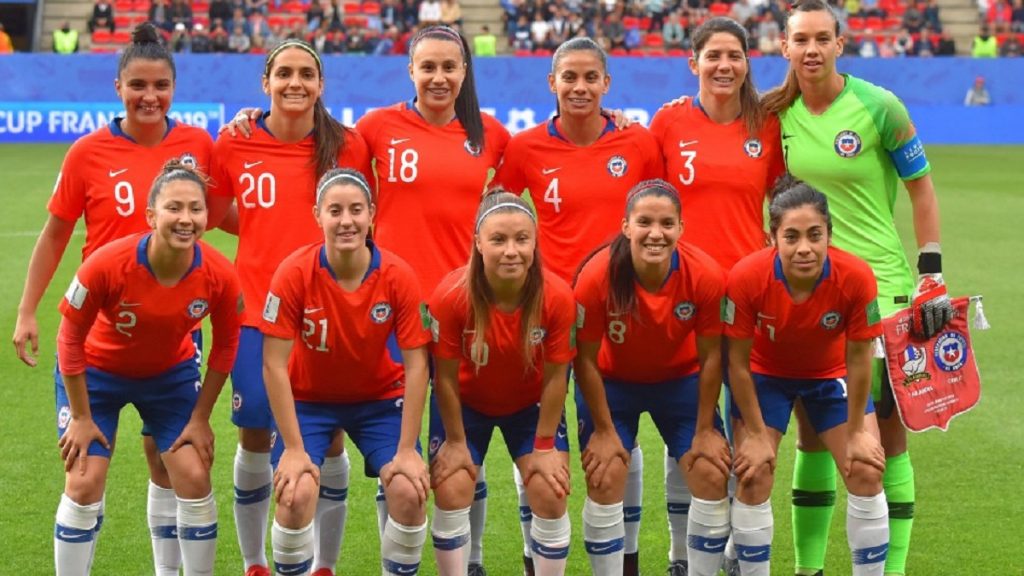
(854, 141)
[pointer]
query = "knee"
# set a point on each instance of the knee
(612, 488)
(404, 501)
(191, 482)
(757, 488)
(455, 492)
(85, 488)
(864, 480)
(707, 481)
(299, 511)
(543, 500)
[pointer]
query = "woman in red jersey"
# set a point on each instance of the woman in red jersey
(126, 338)
(98, 181)
(503, 331)
(270, 178)
(345, 347)
(801, 317)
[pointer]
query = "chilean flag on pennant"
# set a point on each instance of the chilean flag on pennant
(936, 379)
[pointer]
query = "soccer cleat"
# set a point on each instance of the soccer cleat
(631, 564)
(257, 570)
(475, 570)
(730, 566)
(818, 573)
(528, 566)
(329, 572)
(678, 568)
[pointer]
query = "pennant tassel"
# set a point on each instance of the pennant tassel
(878, 350)
(980, 322)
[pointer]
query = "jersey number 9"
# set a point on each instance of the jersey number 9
(125, 197)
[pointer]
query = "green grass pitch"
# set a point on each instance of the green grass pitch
(969, 518)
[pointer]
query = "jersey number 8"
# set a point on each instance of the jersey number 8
(617, 331)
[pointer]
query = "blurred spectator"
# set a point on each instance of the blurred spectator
(767, 25)
(560, 26)
(886, 48)
(485, 43)
(275, 37)
(356, 41)
(319, 39)
(334, 16)
(851, 7)
(65, 39)
(257, 46)
(239, 41)
(923, 47)
(539, 29)
(102, 16)
(945, 46)
(6, 46)
(977, 94)
(180, 12)
(220, 9)
(390, 14)
(334, 42)
(743, 13)
(429, 12)
(999, 16)
(614, 31)
(913, 19)
(410, 13)
(1017, 21)
(931, 15)
(851, 47)
(770, 43)
(1011, 47)
(451, 12)
(672, 32)
(259, 27)
(903, 43)
(870, 8)
(655, 10)
(984, 44)
(522, 39)
(254, 6)
(574, 25)
(868, 46)
(237, 17)
(160, 15)
(315, 15)
(218, 36)
(386, 44)
(181, 40)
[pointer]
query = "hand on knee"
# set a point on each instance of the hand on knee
(298, 512)
(404, 502)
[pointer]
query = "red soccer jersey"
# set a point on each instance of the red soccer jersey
(722, 175)
(107, 176)
(429, 183)
(579, 191)
(658, 341)
(347, 344)
(806, 340)
(274, 185)
(503, 385)
(141, 328)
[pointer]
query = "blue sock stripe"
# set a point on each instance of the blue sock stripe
(333, 494)
(380, 493)
(753, 553)
(451, 543)
(298, 568)
(631, 513)
(549, 552)
(678, 507)
(246, 497)
(73, 535)
(604, 548)
(170, 532)
(871, 555)
(703, 544)
(99, 524)
(392, 567)
(481, 491)
(194, 533)
(525, 514)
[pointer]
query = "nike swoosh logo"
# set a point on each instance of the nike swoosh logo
(684, 143)
(714, 547)
(787, 136)
(251, 164)
(205, 534)
(547, 171)
(561, 434)
(115, 173)
(765, 316)
(873, 555)
(397, 141)
(125, 304)
(297, 570)
(602, 549)
(311, 310)
(747, 554)
(65, 536)
(331, 493)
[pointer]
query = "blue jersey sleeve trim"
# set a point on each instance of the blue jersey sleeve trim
(910, 159)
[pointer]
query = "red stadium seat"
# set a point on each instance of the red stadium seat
(719, 9)
(654, 40)
(122, 21)
(619, 52)
(371, 8)
(123, 6)
(102, 36)
(297, 21)
(294, 8)
(855, 23)
(1001, 37)
(679, 52)
(645, 23)
(142, 6)
(352, 8)
(523, 52)
(655, 53)
(754, 53)
(898, 10)
(200, 6)
(542, 52)
(356, 20)
(201, 20)
(275, 20)
(873, 22)
(122, 37)
(893, 23)
(631, 22)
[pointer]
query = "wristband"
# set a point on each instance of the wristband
(544, 443)
(929, 263)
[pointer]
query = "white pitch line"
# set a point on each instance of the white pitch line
(31, 233)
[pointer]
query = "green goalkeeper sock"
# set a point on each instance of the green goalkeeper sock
(814, 499)
(899, 491)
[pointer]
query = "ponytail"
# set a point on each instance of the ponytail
(467, 106)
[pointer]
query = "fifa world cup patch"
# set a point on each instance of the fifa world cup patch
(753, 148)
(76, 294)
(728, 311)
(271, 308)
(380, 312)
(197, 308)
(847, 144)
(617, 166)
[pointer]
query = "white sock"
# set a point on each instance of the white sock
(73, 536)
(478, 519)
(633, 501)
(752, 529)
(162, 514)
(382, 509)
(293, 549)
(603, 537)
(550, 537)
(867, 530)
(253, 476)
(525, 513)
(708, 531)
(450, 531)
(197, 534)
(331, 510)
(96, 531)
(677, 498)
(402, 547)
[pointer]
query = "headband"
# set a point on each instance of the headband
(496, 207)
(292, 44)
(440, 30)
(655, 184)
(343, 176)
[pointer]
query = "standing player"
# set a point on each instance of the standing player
(126, 338)
(503, 331)
(270, 177)
(722, 152)
(800, 317)
(345, 348)
(578, 169)
(96, 181)
(854, 141)
(649, 291)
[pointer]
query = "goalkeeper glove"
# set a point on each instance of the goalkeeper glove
(931, 308)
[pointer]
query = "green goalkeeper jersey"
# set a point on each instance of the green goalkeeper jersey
(856, 152)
